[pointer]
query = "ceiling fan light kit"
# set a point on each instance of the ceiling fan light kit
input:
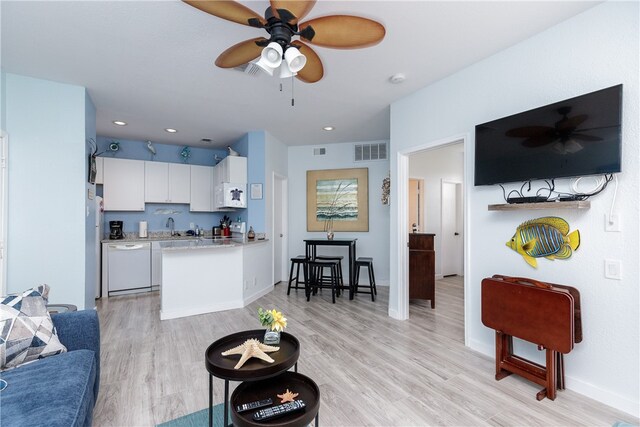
(281, 21)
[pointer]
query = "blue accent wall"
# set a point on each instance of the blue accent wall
(47, 187)
(252, 145)
(154, 213)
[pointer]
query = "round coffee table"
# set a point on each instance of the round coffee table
(253, 391)
(220, 366)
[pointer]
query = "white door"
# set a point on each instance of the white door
(279, 229)
(3, 212)
(451, 235)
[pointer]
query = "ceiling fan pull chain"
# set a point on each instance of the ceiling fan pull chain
(280, 87)
(292, 98)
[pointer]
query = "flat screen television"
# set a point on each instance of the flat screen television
(576, 137)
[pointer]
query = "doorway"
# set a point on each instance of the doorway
(416, 210)
(279, 228)
(451, 226)
(434, 174)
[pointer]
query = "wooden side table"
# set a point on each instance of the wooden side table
(220, 366)
(248, 392)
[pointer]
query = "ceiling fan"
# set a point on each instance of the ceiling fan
(564, 133)
(282, 21)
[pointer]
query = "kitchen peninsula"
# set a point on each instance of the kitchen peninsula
(207, 275)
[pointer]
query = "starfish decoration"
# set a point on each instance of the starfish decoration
(289, 396)
(251, 348)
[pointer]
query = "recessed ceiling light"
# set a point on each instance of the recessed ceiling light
(170, 130)
(119, 123)
(328, 128)
(397, 78)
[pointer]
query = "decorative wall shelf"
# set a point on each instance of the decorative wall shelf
(583, 204)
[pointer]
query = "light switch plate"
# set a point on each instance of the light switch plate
(613, 269)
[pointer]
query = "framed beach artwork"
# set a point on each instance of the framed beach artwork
(338, 199)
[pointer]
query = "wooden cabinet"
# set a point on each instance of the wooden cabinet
(232, 169)
(422, 270)
(201, 189)
(123, 185)
(167, 182)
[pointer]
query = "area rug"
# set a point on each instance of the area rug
(199, 419)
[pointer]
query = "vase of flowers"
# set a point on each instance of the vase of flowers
(275, 323)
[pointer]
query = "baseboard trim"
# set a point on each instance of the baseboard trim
(594, 392)
(251, 298)
(209, 308)
(439, 276)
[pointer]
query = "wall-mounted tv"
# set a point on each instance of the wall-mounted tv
(576, 137)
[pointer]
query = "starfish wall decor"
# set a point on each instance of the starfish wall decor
(251, 348)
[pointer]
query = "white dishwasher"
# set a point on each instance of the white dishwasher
(129, 267)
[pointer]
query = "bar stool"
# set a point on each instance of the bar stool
(365, 262)
(316, 269)
(297, 261)
(338, 258)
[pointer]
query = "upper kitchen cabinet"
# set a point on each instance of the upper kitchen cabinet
(201, 189)
(99, 170)
(167, 182)
(232, 169)
(123, 185)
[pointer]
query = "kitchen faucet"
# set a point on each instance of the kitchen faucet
(171, 225)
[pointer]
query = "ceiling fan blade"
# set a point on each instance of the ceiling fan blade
(342, 32)
(530, 131)
(241, 53)
(298, 8)
(229, 10)
(313, 69)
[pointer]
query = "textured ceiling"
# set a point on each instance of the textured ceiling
(150, 63)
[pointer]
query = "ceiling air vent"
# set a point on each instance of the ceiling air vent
(319, 151)
(248, 68)
(367, 152)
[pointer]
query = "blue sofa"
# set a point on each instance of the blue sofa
(60, 390)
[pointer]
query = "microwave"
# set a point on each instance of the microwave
(231, 195)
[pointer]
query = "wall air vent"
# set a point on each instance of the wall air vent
(368, 152)
(319, 151)
(248, 68)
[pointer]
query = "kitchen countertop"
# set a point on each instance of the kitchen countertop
(206, 243)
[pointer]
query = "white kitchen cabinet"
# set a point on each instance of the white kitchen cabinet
(99, 170)
(201, 189)
(123, 185)
(167, 182)
(233, 169)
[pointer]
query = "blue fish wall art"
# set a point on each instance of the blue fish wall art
(546, 237)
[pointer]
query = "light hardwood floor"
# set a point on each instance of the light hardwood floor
(372, 370)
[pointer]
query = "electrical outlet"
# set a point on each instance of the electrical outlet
(191, 226)
(613, 269)
(612, 222)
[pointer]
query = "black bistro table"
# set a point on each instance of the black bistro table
(220, 366)
(312, 244)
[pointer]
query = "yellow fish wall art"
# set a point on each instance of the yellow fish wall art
(546, 237)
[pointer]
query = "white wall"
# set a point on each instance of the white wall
(596, 49)
(375, 242)
(46, 229)
(275, 161)
(433, 166)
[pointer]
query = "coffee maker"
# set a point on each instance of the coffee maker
(116, 230)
